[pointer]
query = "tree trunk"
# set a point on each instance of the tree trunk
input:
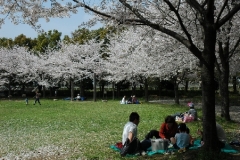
(9, 89)
(224, 95)
(176, 98)
(23, 89)
(44, 91)
(72, 89)
(94, 87)
(234, 80)
(51, 92)
(223, 69)
(146, 90)
(208, 88)
(133, 88)
(159, 88)
(118, 89)
(81, 89)
(103, 90)
(186, 85)
(113, 90)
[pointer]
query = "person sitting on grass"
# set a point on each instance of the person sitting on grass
(130, 100)
(123, 101)
(181, 140)
(134, 100)
(78, 98)
(167, 130)
(131, 144)
(192, 111)
(220, 133)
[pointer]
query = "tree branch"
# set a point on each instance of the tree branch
(204, 3)
(141, 20)
(196, 6)
(91, 9)
(221, 11)
(234, 48)
(228, 16)
(180, 20)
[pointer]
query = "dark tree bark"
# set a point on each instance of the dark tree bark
(23, 88)
(223, 72)
(146, 90)
(208, 86)
(118, 90)
(82, 94)
(234, 83)
(72, 89)
(133, 88)
(9, 89)
(186, 85)
(94, 87)
(113, 90)
(176, 94)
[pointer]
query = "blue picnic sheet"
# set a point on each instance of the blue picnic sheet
(196, 145)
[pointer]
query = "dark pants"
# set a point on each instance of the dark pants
(152, 133)
(130, 147)
(37, 100)
(146, 143)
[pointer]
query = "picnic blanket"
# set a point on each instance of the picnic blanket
(196, 145)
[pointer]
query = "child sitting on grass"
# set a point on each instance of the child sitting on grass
(181, 140)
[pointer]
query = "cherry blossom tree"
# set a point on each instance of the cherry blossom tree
(188, 22)
(227, 47)
(181, 20)
(137, 56)
(15, 67)
(234, 70)
(194, 23)
(74, 62)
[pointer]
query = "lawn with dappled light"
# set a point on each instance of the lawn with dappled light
(76, 130)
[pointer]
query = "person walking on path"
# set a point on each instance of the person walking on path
(37, 98)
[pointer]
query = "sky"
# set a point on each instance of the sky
(63, 25)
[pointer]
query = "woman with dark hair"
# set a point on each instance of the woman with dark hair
(168, 129)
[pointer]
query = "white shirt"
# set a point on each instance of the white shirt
(123, 101)
(220, 133)
(129, 127)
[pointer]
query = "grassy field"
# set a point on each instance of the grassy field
(76, 130)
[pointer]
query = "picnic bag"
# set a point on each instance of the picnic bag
(188, 118)
(130, 147)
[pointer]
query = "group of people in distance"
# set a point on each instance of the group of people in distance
(132, 100)
(178, 135)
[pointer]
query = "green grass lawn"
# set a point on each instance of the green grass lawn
(76, 130)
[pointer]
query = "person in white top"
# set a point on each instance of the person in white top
(129, 135)
(78, 97)
(130, 128)
(220, 134)
(123, 101)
